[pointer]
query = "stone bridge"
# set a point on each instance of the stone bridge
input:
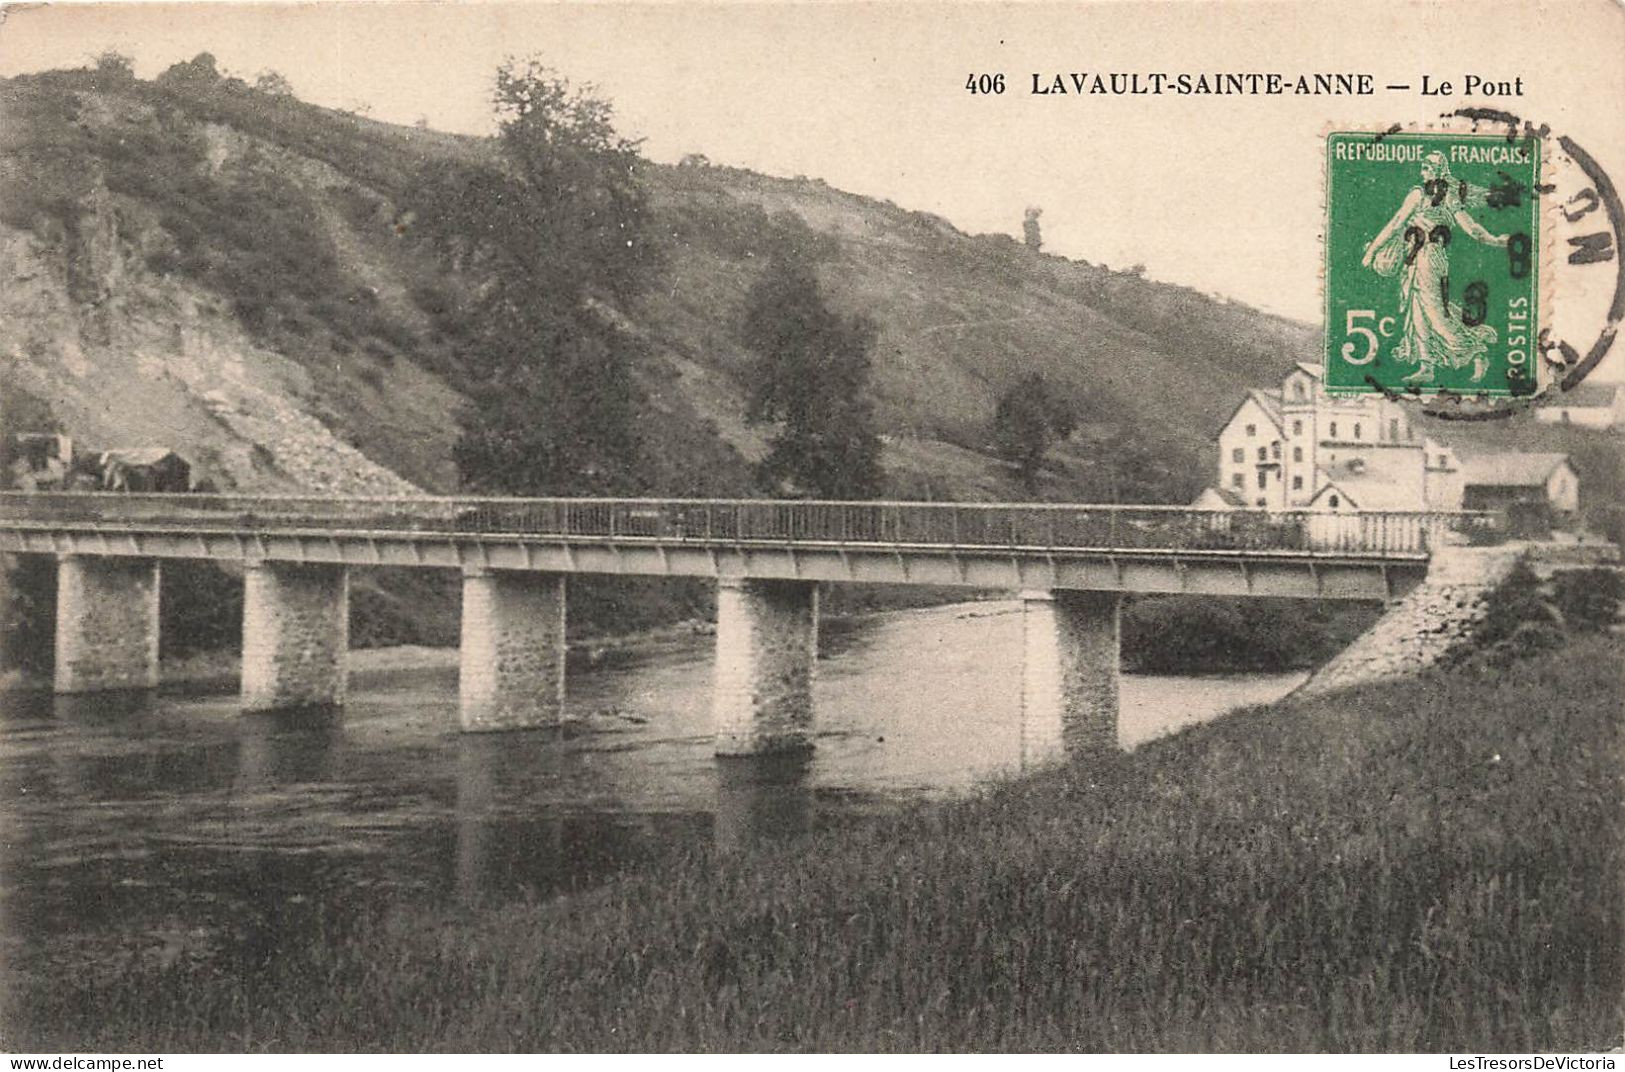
(1072, 565)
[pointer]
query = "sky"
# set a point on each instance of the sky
(1222, 193)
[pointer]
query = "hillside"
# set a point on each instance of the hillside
(234, 274)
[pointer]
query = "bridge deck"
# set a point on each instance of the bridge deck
(1130, 548)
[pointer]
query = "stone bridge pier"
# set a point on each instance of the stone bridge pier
(296, 635)
(1070, 674)
(106, 623)
(511, 669)
(767, 642)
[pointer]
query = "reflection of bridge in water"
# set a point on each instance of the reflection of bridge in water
(1072, 564)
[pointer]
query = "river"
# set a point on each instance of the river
(155, 826)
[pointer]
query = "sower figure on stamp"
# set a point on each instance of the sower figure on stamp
(1416, 243)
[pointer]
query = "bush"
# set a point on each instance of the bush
(1588, 599)
(1522, 617)
(1609, 521)
(1202, 634)
(1510, 604)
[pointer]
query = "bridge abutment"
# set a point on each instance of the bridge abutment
(513, 648)
(296, 635)
(1070, 674)
(767, 642)
(106, 623)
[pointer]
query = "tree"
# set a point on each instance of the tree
(1027, 420)
(1029, 228)
(273, 83)
(200, 70)
(554, 232)
(113, 68)
(812, 380)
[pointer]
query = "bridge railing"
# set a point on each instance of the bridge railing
(1015, 525)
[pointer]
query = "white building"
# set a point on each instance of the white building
(1590, 405)
(1283, 447)
(1297, 448)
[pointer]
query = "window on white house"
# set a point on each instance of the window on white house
(1238, 455)
(1235, 480)
(1356, 429)
(1297, 454)
(1275, 449)
(1263, 479)
(1444, 460)
(1297, 389)
(1334, 502)
(1333, 430)
(1252, 430)
(1393, 428)
(1263, 454)
(1297, 428)
(1297, 483)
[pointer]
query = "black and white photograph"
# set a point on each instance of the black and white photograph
(931, 527)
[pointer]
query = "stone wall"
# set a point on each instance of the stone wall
(1419, 628)
(106, 623)
(767, 642)
(513, 648)
(296, 635)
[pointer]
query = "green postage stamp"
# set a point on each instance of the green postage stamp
(1432, 251)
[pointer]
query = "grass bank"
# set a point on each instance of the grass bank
(1423, 865)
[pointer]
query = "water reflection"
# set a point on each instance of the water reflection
(287, 747)
(761, 800)
(496, 849)
(173, 821)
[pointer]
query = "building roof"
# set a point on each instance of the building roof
(1269, 401)
(1225, 494)
(1314, 371)
(141, 455)
(1586, 396)
(1371, 487)
(1509, 470)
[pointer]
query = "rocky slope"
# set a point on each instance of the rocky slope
(233, 275)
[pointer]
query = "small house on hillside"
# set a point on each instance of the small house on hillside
(1590, 405)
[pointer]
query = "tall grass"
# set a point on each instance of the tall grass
(1426, 865)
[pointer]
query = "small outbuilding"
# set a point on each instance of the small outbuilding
(1499, 481)
(1590, 405)
(144, 469)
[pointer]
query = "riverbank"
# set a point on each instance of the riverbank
(1430, 864)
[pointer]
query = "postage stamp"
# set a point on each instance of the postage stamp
(1432, 263)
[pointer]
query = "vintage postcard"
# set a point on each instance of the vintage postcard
(838, 528)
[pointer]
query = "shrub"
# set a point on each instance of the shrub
(1516, 600)
(1519, 620)
(1204, 634)
(1588, 599)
